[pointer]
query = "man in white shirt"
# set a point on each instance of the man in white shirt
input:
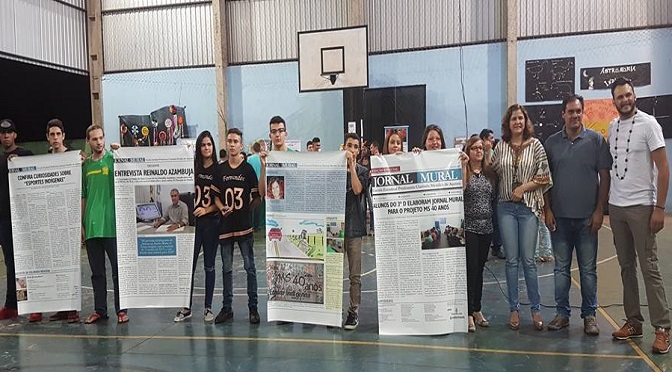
(639, 182)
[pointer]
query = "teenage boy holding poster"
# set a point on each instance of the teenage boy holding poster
(99, 224)
(355, 225)
(236, 192)
(56, 137)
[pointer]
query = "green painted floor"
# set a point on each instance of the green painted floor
(152, 342)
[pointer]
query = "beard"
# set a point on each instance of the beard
(627, 113)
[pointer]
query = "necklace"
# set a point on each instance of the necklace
(627, 149)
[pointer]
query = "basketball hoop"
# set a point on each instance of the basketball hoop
(331, 77)
(333, 59)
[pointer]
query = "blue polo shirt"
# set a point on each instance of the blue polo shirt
(574, 168)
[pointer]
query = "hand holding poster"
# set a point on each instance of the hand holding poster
(304, 225)
(154, 213)
(420, 256)
(46, 225)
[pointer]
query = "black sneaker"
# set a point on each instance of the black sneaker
(225, 314)
(182, 315)
(351, 323)
(254, 316)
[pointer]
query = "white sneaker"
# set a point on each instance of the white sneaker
(209, 316)
(182, 315)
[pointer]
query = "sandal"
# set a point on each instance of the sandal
(471, 327)
(514, 320)
(94, 318)
(73, 317)
(537, 321)
(122, 317)
(480, 320)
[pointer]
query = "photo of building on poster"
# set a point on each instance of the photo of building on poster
(295, 282)
(335, 234)
(21, 289)
(441, 232)
(295, 238)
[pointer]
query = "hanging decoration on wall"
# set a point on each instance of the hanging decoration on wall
(597, 114)
(546, 119)
(132, 129)
(602, 77)
(549, 79)
(162, 127)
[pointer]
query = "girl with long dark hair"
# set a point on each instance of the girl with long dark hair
(207, 222)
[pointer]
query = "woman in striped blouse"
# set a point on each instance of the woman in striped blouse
(521, 164)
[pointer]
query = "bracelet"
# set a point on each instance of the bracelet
(658, 206)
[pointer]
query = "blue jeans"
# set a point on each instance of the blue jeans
(573, 234)
(207, 236)
(544, 248)
(246, 250)
(519, 228)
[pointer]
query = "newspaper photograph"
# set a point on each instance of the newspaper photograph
(420, 254)
(154, 196)
(45, 193)
(305, 207)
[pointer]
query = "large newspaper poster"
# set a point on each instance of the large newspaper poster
(420, 255)
(45, 193)
(154, 194)
(305, 223)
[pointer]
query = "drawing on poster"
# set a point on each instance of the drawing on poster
(295, 238)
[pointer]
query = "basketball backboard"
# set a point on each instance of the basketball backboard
(333, 59)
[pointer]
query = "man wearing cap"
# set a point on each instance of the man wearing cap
(10, 149)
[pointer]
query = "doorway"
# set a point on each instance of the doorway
(373, 109)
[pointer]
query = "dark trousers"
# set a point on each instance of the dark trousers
(258, 216)
(207, 236)
(96, 248)
(246, 246)
(477, 247)
(8, 251)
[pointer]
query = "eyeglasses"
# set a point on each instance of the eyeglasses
(477, 148)
(280, 130)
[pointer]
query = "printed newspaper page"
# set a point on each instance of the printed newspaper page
(46, 191)
(154, 194)
(305, 206)
(420, 255)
